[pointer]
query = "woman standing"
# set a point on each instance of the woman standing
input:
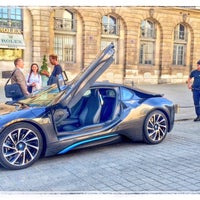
(34, 80)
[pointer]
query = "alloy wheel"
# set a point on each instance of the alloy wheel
(21, 147)
(156, 127)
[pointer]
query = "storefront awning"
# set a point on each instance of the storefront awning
(15, 41)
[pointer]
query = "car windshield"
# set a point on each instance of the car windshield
(46, 96)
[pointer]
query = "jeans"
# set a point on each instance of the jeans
(196, 99)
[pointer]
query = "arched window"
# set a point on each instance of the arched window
(147, 42)
(180, 43)
(109, 25)
(110, 33)
(64, 20)
(65, 35)
(147, 29)
(180, 32)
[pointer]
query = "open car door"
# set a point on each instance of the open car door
(78, 86)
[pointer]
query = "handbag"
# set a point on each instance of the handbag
(14, 90)
(30, 88)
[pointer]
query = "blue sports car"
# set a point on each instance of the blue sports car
(80, 113)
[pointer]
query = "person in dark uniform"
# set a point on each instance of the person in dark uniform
(194, 85)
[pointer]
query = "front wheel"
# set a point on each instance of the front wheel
(20, 146)
(155, 127)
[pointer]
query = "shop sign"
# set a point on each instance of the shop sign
(10, 30)
(8, 40)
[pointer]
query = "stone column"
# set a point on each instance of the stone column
(40, 32)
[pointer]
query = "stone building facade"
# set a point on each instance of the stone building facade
(153, 44)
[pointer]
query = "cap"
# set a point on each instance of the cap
(198, 63)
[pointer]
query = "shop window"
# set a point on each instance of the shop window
(11, 25)
(10, 54)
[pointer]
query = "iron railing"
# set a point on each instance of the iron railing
(62, 24)
(109, 29)
(15, 24)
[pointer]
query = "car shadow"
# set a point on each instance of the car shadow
(93, 152)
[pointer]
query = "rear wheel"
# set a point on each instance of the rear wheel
(20, 146)
(155, 127)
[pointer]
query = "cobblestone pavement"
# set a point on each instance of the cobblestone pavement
(125, 168)
(172, 166)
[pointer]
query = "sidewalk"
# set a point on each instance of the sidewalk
(2, 94)
(178, 93)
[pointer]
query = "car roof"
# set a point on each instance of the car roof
(136, 89)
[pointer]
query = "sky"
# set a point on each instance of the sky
(102, 3)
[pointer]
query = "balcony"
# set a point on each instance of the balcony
(109, 29)
(14, 24)
(148, 33)
(62, 24)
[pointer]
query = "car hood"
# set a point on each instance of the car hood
(9, 113)
(5, 109)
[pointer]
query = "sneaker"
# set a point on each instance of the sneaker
(197, 119)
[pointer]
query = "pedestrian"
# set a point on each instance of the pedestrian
(194, 85)
(34, 79)
(57, 70)
(19, 77)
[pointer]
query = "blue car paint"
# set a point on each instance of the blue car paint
(84, 142)
(21, 114)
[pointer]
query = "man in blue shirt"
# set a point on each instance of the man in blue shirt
(195, 87)
(57, 70)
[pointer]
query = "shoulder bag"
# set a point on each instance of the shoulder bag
(13, 90)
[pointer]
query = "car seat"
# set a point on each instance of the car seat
(90, 114)
(108, 108)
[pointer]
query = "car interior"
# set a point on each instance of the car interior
(97, 106)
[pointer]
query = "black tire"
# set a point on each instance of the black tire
(20, 146)
(155, 127)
